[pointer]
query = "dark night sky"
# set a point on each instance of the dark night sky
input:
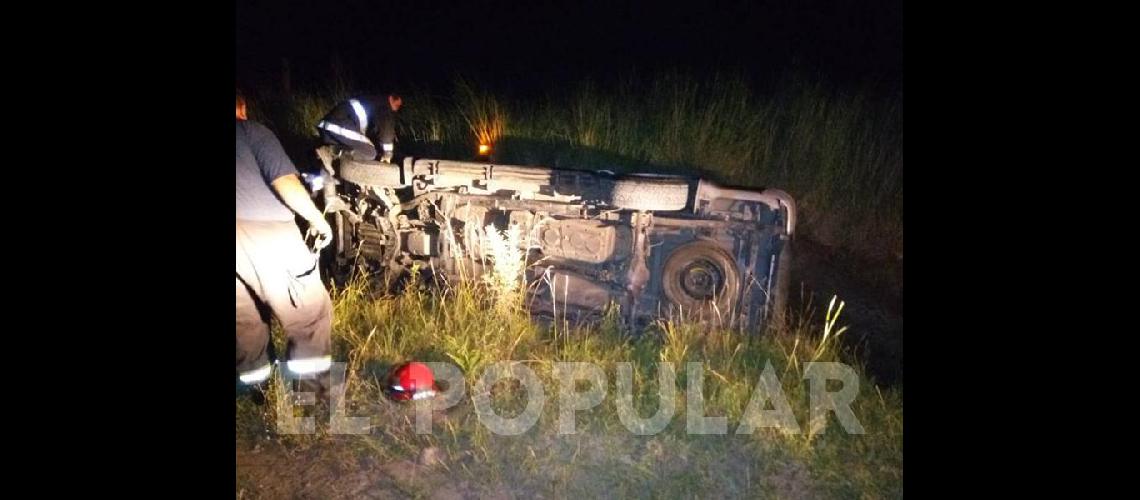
(534, 44)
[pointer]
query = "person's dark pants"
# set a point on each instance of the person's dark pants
(360, 150)
(277, 276)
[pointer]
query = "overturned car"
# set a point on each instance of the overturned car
(654, 245)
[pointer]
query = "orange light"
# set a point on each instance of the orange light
(484, 149)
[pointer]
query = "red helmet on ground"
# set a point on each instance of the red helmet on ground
(409, 381)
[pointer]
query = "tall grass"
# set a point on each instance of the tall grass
(486, 118)
(455, 324)
(838, 152)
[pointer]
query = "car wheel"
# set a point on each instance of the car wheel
(370, 173)
(700, 277)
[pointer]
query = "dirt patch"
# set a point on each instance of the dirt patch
(539, 466)
(269, 469)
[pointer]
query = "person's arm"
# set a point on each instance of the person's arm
(296, 197)
(282, 176)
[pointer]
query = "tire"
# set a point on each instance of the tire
(370, 173)
(649, 193)
(702, 278)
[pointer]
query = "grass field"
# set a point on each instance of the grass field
(839, 154)
(472, 326)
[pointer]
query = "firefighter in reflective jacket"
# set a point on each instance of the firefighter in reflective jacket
(364, 125)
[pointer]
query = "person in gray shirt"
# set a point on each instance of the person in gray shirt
(277, 272)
